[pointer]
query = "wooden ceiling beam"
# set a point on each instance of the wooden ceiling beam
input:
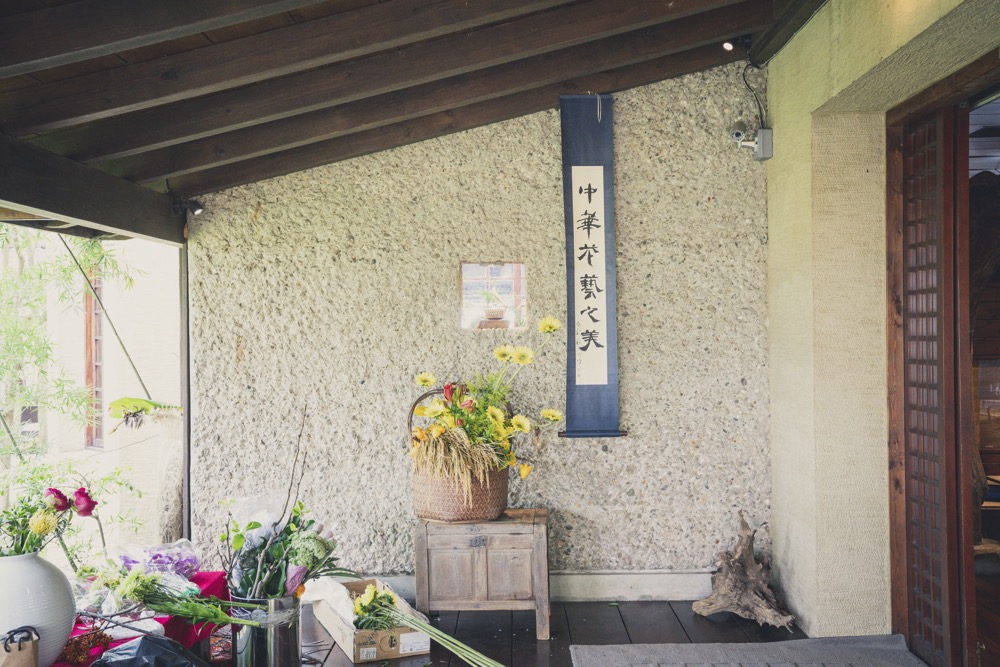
(61, 228)
(790, 16)
(47, 185)
(248, 60)
(446, 122)
(612, 53)
(346, 82)
(66, 34)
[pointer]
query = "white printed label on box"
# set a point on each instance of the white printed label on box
(414, 642)
(369, 653)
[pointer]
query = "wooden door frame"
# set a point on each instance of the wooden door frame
(950, 92)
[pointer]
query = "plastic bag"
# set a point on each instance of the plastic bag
(150, 652)
(175, 558)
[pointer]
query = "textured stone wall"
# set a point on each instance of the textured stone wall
(329, 289)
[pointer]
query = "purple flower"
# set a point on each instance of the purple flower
(84, 503)
(294, 576)
(128, 562)
(56, 499)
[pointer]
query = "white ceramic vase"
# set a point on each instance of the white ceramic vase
(35, 592)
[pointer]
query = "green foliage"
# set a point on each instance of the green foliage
(37, 274)
(261, 560)
(122, 407)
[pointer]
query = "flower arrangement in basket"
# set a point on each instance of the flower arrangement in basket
(462, 452)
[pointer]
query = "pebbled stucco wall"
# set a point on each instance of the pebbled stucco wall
(330, 288)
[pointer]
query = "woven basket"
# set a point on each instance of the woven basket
(441, 499)
(495, 312)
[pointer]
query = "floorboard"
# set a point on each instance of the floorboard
(527, 650)
(509, 637)
(767, 633)
(595, 623)
(446, 621)
(652, 623)
(488, 632)
(717, 628)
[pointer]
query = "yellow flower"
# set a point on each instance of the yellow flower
(369, 595)
(425, 380)
(43, 523)
(419, 434)
(523, 355)
(495, 413)
(436, 431)
(548, 325)
(521, 423)
(420, 411)
(448, 421)
(504, 352)
(505, 443)
(551, 415)
(357, 606)
(524, 470)
(511, 458)
(435, 409)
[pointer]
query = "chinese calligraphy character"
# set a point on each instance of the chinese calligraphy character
(588, 222)
(588, 253)
(590, 190)
(590, 313)
(589, 337)
(589, 286)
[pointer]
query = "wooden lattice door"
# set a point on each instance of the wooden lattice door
(931, 313)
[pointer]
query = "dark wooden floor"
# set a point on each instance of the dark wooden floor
(509, 637)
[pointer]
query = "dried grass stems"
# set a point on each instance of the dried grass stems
(454, 457)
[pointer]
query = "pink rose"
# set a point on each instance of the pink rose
(449, 390)
(56, 499)
(84, 503)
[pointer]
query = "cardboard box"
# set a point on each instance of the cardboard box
(371, 645)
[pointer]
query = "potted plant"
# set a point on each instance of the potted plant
(34, 592)
(469, 437)
(268, 560)
(494, 308)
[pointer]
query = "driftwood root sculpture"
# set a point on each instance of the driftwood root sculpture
(741, 586)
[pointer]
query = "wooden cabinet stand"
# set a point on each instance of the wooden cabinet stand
(500, 564)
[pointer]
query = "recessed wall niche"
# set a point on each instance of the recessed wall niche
(494, 295)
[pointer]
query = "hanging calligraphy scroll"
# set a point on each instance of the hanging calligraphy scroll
(592, 324)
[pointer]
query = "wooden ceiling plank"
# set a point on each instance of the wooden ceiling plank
(248, 60)
(91, 28)
(346, 82)
(790, 16)
(612, 53)
(41, 183)
(61, 228)
(446, 122)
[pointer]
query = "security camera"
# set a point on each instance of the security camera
(738, 131)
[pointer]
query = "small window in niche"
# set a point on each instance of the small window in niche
(494, 295)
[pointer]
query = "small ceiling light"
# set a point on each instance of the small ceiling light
(742, 43)
(192, 206)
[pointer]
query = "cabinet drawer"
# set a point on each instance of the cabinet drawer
(444, 542)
